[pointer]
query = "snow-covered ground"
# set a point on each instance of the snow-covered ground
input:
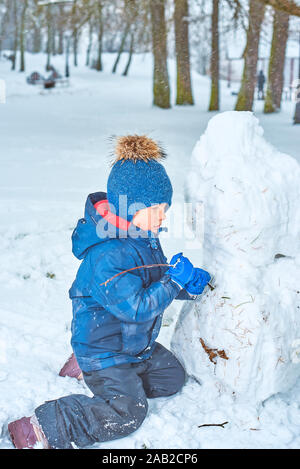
(55, 151)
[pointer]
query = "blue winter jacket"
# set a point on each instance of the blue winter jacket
(119, 321)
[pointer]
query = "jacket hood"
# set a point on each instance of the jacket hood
(100, 224)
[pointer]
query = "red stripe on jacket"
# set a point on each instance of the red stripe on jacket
(102, 207)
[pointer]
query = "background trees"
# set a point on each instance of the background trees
(192, 32)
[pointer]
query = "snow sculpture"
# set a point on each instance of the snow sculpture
(244, 335)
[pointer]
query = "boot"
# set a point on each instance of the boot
(26, 435)
(71, 368)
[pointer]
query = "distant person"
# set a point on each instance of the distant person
(297, 109)
(260, 84)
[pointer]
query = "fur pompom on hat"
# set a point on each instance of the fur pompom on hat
(138, 147)
(137, 180)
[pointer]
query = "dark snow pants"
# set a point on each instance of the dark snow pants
(119, 404)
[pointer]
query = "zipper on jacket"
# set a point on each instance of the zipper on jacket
(153, 243)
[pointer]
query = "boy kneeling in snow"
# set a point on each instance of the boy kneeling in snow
(118, 308)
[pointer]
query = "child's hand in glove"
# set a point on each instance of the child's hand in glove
(198, 281)
(182, 273)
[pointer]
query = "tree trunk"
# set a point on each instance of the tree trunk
(161, 86)
(75, 47)
(246, 93)
(89, 47)
(276, 62)
(214, 58)
(22, 36)
(37, 39)
(130, 13)
(36, 26)
(121, 48)
(67, 66)
(16, 34)
(75, 32)
(4, 23)
(60, 49)
(49, 36)
(53, 45)
(99, 66)
(125, 73)
(184, 87)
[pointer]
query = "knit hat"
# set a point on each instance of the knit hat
(137, 180)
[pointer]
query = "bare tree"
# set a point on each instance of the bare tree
(287, 6)
(22, 35)
(100, 28)
(72, 24)
(276, 62)
(60, 27)
(214, 58)
(16, 33)
(49, 34)
(4, 22)
(36, 26)
(75, 31)
(130, 14)
(184, 86)
(246, 93)
(91, 26)
(131, 50)
(161, 86)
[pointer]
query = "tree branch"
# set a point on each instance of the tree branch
(213, 425)
(288, 6)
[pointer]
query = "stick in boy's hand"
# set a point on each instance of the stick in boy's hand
(174, 261)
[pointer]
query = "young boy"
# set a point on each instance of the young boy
(118, 308)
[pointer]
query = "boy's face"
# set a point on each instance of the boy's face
(150, 218)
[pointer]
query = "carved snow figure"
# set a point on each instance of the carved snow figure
(243, 336)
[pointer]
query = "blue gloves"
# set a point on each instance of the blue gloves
(183, 271)
(198, 282)
(193, 279)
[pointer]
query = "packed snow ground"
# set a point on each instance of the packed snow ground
(55, 151)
